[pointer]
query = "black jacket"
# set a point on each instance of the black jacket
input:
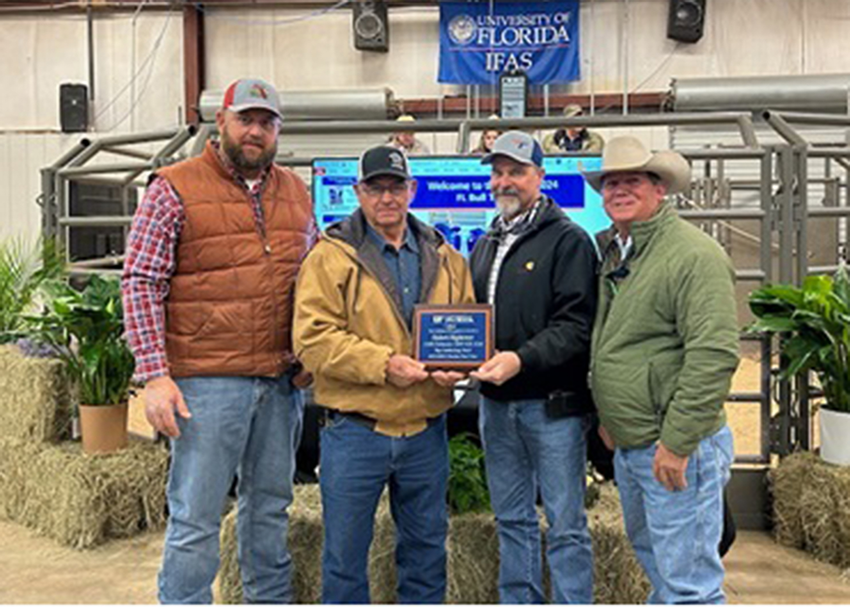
(545, 305)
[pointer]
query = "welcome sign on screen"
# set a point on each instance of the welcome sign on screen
(453, 193)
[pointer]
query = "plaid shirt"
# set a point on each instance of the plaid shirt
(150, 261)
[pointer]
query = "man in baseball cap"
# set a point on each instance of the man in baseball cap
(385, 420)
(573, 138)
(249, 123)
(212, 257)
(538, 269)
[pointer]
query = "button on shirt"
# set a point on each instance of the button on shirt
(403, 264)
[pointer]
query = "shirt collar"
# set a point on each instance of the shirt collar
(409, 239)
(625, 246)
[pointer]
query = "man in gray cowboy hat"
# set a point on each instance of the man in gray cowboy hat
(664, 349)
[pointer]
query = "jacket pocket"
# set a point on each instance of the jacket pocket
(663, 380)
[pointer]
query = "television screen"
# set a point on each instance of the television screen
(453, 193)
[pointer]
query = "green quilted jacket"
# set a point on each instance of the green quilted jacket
(665, 340)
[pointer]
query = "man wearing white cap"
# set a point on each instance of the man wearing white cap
(211, 262)
(538, 269)
(407, 141)
(665, 347)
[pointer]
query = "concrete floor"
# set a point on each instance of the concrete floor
(37, 570)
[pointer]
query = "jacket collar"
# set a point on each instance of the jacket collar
(353, 231)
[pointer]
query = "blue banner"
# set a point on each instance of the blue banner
(539, 38)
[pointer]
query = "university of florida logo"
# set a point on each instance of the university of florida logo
(462, 29)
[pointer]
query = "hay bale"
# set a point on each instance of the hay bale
(811, 507)
(306, 538)
(618, 576)
(82, 500)
(35, 398)
(472, 551)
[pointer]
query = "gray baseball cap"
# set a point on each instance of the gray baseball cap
(250, 94)
(518, 146)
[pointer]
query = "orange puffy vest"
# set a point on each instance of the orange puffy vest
(229, 309)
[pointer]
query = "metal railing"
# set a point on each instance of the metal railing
(782, 212)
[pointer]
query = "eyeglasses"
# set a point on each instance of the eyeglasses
(395, 190)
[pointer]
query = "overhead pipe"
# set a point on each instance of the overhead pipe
(815, 92)
(354, 104)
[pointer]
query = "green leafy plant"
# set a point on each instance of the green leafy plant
(467, 480)
(86, 330)
(817, 316)
(24, 270)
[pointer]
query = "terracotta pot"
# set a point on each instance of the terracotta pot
(104, 428)
(835, 437)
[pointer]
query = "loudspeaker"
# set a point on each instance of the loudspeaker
(74, 108)
(370, 26)
(686, 20)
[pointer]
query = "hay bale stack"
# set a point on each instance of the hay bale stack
(473, 555)
(811, 507)
(35, 398)
(82, 500)
(618, 577)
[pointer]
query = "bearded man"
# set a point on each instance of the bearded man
(538, 269)
(211, 262)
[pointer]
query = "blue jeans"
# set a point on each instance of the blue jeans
(525, 451)
(240, 426)
(355, 465)
(676, 534)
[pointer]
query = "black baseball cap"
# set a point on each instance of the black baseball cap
(383, 160)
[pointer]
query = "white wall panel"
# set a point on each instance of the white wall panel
(742, 37)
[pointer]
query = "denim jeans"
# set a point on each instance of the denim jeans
(355, 465)
(240, 426)
(676, 534)
(526, 451)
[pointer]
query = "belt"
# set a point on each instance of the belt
(363, 420)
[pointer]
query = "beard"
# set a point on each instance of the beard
(234, 152)
(508, 203)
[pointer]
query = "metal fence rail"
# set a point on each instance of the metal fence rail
(782, 214)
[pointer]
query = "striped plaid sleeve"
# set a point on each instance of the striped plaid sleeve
(148, 265)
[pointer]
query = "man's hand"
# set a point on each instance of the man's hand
(447, 379)
(606, 438)
(669, 469)
(499, 369)
(403, 371)
(162, 397)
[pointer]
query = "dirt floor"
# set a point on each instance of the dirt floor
(37, 570)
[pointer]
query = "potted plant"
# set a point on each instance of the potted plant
(86, 329)
(817, 316)
(24, 269)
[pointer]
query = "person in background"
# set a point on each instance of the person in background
(486, 140)
(538, 269)
(573, 139)
(385, 422)
(212, 257)
(664, 350)
(407, 140)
